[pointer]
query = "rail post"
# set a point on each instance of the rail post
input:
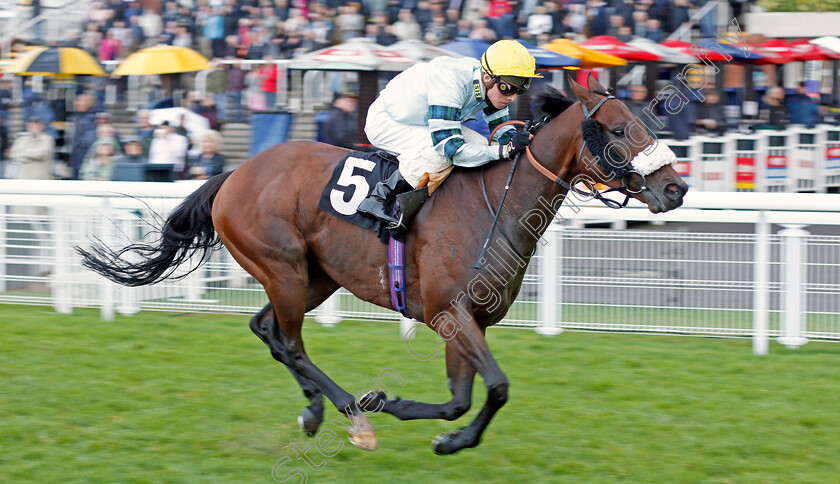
(795, 257)
(761, 271)
(551, 288)
(329, 311)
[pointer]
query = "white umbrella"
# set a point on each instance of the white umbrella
(359, 54)
(666, 54)
(195, 124)
(420, 51)
(830, 43)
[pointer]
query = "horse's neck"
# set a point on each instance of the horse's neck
(534, 199)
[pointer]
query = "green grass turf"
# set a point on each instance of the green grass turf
(197, 398)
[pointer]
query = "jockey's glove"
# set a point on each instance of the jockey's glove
(521, 139)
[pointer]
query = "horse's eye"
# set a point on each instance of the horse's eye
(618, 131)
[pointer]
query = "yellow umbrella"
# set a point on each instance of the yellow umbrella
(162, 59)
(589, 58)
(55, 60)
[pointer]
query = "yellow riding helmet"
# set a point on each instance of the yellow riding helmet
(509, 58)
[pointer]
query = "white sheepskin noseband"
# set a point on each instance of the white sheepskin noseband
(647, 163)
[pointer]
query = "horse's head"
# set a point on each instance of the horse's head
(618, 152)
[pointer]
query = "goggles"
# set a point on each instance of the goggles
(508, 88)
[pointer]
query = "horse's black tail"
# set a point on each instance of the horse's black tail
(188, 230)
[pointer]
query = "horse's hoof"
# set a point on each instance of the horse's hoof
(365, 440)
(445, 444)
(308, 422)
(372, 401)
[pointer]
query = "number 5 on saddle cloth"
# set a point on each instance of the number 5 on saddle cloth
(353, 179)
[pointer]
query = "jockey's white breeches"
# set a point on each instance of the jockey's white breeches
(411, 143)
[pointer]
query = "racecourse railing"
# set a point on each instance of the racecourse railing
(752, 268)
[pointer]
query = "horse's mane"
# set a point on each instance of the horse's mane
(550, 102)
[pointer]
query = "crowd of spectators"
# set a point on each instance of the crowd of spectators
(236, 30)
(279, 29)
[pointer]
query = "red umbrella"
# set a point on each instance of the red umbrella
(611, 45)
(684, 47)
(780, 47)
(769, 56)
(804, 50)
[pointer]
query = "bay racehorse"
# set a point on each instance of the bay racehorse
(266, 214)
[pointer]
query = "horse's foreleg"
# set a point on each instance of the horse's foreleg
(460, 376)
(471, 347)
(311, 416)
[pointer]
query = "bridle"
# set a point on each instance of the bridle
(593, 191)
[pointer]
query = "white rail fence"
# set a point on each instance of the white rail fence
(760, 284)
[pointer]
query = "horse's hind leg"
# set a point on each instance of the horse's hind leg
(311, 416)
(285, 278)
(460, 376)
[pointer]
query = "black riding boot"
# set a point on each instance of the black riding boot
(380, 203)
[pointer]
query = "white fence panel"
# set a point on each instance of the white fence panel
(718, 283)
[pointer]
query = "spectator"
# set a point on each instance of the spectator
(236, 82)
(213, 29)
(123, 35)
(710, 116)
(437, 33)
(640, 18)
(540, 22)
(135, 151)
(84, 132)
(340, 127)
(775, 113)
(168, 147)
(5, 97)
(101, 165)
(152, 26)
(681, 121)
(105, 135)
(482, 32)
(802, 109)
(144, 130)
(653, 31)
(209, 162)
(386, 35)
(33, 152)
(576, 19)
(625, 34)
(616, 22)
(4, 145)
(407, 28)
(90, 39)
(350, 22)
(138, 36)
(267, 76)
(207, 109)
(638, 102)
(216, 86)
(463, 28)
(109, 48)
(678, 14)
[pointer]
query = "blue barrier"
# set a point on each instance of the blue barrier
(269, 129)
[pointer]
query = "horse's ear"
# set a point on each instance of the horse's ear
(581, 92)
(593, 84)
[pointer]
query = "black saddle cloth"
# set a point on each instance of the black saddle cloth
(352, 180)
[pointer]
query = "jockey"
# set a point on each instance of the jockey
(419, 116)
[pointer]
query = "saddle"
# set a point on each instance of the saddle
(352, 180)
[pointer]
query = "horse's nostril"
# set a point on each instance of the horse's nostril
(674, 191)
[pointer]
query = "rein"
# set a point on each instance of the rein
(533, 128)
(593, 191)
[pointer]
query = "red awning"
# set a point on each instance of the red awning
(611, 45)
